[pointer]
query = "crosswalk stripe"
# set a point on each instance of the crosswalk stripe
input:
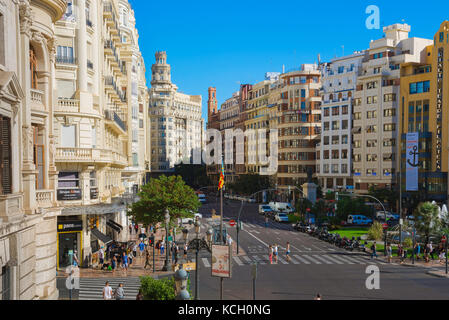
(92, 288)
(247, 259)
(293, 260)
(342, 259)
(312, 259)
(301, 259)
(360, 260)
(206, 262)
(282, 260)
(259, 260)
(352, 258)
(239, 262)
(322, 259)
(332, 259)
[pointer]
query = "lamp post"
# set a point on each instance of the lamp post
(167, 265)
(181, 284)
(197, 280)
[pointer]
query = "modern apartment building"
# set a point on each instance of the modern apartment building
(376, 100)
(299, 124)
(424, 97)
(334, 152)
(28, 173)
(175, 121)
(99, 124)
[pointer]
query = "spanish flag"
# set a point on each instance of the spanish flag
(221, 182)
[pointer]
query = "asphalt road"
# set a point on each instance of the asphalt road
(316, 266)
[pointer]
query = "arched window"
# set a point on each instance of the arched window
(33, 68)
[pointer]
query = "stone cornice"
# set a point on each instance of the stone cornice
(57, 8)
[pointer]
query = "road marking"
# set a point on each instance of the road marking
(309, 249)
(255, 231)
(350, 258)
(312, 259)
(247, 259)
(260, 261)
(301, 259)
(332, 259)
(282, 260)
(293, 260)
(236, 259)
(206, 262)
(322, 259)
(342, 259)
(266, 245)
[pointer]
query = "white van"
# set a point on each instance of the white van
(285, 207)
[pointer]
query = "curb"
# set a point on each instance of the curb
(438, 274)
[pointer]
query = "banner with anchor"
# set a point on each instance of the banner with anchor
(412, 161)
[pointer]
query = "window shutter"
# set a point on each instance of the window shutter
(5, 155)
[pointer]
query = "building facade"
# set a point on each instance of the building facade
(376, 105)
(175, 121)
(334, 152)
(28, 178)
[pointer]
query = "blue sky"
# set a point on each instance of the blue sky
(223, 44)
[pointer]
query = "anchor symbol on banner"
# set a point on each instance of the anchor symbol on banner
(414, 153)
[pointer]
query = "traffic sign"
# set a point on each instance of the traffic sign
(232, 223)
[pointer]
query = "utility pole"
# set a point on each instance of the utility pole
(254, 274)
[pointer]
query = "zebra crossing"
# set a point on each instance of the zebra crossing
(301, 259)
(92, 288)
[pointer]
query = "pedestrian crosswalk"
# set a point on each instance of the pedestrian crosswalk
(300, 259)
(92, 288)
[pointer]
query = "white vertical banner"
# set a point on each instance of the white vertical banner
(412, 161)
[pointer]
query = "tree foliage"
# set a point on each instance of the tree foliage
(376, 231)
(193, 175)
(248, 184)
(384, 195)
(164, 193)
(426, 219)
(348, 205)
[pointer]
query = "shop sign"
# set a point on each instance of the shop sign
(69, 194)
(93, 193)
(67, 226)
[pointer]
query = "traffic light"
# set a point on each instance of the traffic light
(151, 241)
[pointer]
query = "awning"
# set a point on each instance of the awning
(101, 236)
(116, 224)
(113, 226)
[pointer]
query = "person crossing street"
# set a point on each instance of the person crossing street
(275, 249)
(287, 251)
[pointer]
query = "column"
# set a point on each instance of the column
(82, 47)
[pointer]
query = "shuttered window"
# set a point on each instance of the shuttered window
(5, 156)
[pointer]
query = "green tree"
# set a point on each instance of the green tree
(349, 205)
(164, 193)
(302, 205)
(194, 175)
(427, 221)
(319, 210)
(248, 184)
(386, 196)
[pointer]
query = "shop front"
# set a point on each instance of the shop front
(69, 241)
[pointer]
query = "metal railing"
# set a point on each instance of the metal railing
(66, 60)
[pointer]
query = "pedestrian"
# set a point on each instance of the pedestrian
(101, 257)
(404, 255)
(114, 263)
(125, 261)
(175, 252)
(107, 291)
(186, 247)
(266, 221)
(147, 259)
(162, 246)
(317, 297)
(135, 250)
(75, 259)
(119, 292)
(275, 249)
(137, 228)
(374, 250)
(270, 254)
(130, 258)
(141, 248)
(139, 295)
(442, 257)
(426, 253)
(389, 253)
(230, 240)
(417, 251)
(287, 253)
(130, 229)
(431, 251)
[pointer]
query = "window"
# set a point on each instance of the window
(335, 168)
(303, 93)
(335, 125)
(357, 157)
(344, 110)
(6, 283)
(335, 111)
(344, 124)
(370, 172)
(335, 154)
(371, 115)
(390, 127)
(371, 85)
(326, 126)
(389, 142)
(371, 129)
(419, 87)
(135, 160)
(357, 144)
(68, 136)
(389, 97)
(341, 69)
(371, 143)
(326, 140)
(357, 101)
(377, 70)
(326, 154)
(39, 157)
(326, 168)
(371, 157)
(357, 115)
(389, 112)
(5, 156)
(344, 139)
(344, 154)
(326, 112)
(68, 180)
(335, 140)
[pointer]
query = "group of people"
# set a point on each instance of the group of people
(428, 252)
(118, 293)
(273, 252)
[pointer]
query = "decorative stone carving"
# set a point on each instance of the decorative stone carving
(51, 45)
(52, 149)
(27, 142)
(26, 17)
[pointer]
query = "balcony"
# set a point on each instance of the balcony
(37, 100)
(74, 155)
(66, 60)
(115, 122)
(45, 198)
(68, 105)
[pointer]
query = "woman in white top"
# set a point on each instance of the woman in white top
(107, 292)
(276, 253)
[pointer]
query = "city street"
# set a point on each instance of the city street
(315, 267)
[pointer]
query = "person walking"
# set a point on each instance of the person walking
(275, 249)
(389, 253)
(135, 250)
(130, 229)
(101, 257)
(186, 247)
(417, 250)
(107, 291)
(175, 253)
(125, 262)
(141, 248)
(136, 227)
(374, 250)
(119, 292)
(266, 221)
(287, 252)
(270, 254)
(426, 252)
(431, 251)
(76, 263)
(139, 295)
(147, 259)
(130, 258)
(114, 263)
(162, 246)
(317, 297)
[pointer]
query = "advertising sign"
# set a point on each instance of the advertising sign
(67, 226)
(412, 161)
(93, 193)
(69, 194)
(221, 261)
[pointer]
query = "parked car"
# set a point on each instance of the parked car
(265, 209)
(359, 219)
(281, 206)
(281, 217)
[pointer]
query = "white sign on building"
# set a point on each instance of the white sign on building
(221, 261)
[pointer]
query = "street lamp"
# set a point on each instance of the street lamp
(181, 284)
(167, 265)
(185, 233)
(209, 234)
